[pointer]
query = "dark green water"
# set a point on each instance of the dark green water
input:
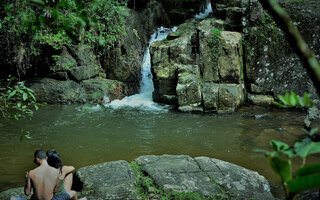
(89, 135)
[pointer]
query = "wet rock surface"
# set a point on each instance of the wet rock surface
(57, 91)
(203, 81)
(204, 175)
(111, 180)
(272, 66)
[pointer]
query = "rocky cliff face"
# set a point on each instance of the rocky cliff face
(199, 67)
(272, 67)
(195, 71)
(79, 75)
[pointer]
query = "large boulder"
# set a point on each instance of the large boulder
(229, 10)
(177, 173)
(231, 96)
(230, 61)
(66, 91)
(199, 67)
(111, 180)
(208, 53)
(205, 176)
(166, 56)
(272, 67)
(312, 119)
(189, 88)
(246, 184)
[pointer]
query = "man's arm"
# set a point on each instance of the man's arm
(27, 187)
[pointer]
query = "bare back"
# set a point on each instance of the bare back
(44, 179)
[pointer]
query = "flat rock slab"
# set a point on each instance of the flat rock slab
(111, 180)
(235, 179)
(177, 173)
(204, 175)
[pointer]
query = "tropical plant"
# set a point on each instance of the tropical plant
(307, 176)
(294, 100)
(16, 100)
(31, 27)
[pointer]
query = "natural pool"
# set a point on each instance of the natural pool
(86, 135)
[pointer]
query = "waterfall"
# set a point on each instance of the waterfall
(205, 11)
(144, 98)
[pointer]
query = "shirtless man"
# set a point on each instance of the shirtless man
(43, 180)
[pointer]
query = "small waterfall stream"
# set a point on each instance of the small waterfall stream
(206, 11)
(144, 98)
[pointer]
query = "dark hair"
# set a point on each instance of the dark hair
(41, 154)
(54, 159)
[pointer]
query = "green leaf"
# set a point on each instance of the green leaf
(33, 97)
(293, 99)
(12, 94)
(301, 103)
(283, 100)
(30, 90)
(263, 151)
(306, 99)
(28, 136)
(309, 169)
(279, 146)
(282, 168)
(278, 104)
(287, 98)
(306, 147)
(25, 96)
(315, 148)
(302, 183)
(36, 107)
(16, 117)
(19, 104)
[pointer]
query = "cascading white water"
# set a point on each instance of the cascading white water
(144, 98)
(206, 12)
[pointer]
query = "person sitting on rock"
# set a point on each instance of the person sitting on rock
(43, 179)
(64, 183)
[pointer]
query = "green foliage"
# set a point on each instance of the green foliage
(294, 100)
(17, 101)
(306, 177)
(214, 44)
(59, 23)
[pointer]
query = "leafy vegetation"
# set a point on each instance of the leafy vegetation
(26, 26)
(294, 100)
(307, 176)
(16, 100)
(214, 44)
